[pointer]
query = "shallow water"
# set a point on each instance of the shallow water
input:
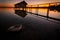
(34, 27)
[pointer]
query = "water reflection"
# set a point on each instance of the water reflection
(57, 9)
(46, 12)
(8, 18)
(35, 28)
(21, 13)
(19, 27)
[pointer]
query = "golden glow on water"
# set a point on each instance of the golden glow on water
(43, 11)
(18, 9)
(40, 11)
(54, 14)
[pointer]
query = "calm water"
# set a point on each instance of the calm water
(43, 11)
(35, 27)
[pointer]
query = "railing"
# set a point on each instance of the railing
(48, 5)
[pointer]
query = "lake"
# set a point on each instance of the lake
(43, 11)
(35, 27)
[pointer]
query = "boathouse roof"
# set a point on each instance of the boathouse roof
(23, 2)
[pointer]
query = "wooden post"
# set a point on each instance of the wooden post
(37, 9)
(30, 8)
(48, 11)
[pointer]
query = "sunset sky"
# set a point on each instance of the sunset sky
(10, 3)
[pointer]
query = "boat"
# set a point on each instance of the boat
(15, 28)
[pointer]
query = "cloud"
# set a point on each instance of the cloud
(28, 1)
(2, 1)
(9, 1)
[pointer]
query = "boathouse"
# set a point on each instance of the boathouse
(21, 5)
